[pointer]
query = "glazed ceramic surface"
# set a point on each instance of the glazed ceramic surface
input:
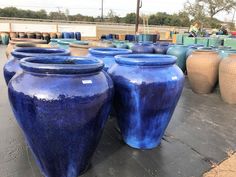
(147, 89)
(202, 67)
(12, 66)
(180, 52)
(107, 55)
(227, 79)
(62, 105)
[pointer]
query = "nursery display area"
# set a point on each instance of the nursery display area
(122, 106)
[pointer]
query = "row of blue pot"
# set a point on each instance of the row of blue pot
(62, 102)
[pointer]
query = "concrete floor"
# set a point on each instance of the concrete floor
(200, 134)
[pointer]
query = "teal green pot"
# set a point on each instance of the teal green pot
(53, 42)
(5, 38)
(225, 53)
(64, 43)
(189, 40)
(180, 52)
(203, 41)
(130, 45)
(179, 39)
(215, 42)
(230, 42)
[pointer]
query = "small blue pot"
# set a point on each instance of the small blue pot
(161, 47)
(62, 105)
(107, 55)
(12, 66)
(143, 48)
(147, 89)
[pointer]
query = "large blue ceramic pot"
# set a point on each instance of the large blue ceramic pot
(143, 48)
(62, 105)
(180, 52)
(107, 55)
(161, 47)
(12, 66)
(147, 89)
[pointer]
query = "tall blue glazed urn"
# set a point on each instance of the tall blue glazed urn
(62, 105)
(147, 89)
(12, 66)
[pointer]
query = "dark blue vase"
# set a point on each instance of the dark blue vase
(147, 89)
(161, 47)
(143, 48)
(107, 55)
(78, 36)
(62, 105)
(12, 66)
(180, 52)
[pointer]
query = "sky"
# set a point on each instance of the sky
(92, 7)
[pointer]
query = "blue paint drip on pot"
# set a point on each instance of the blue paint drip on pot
(147, 89)
(62, 105)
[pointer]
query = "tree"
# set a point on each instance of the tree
(213, 7)
(195, 10)
(129, 18)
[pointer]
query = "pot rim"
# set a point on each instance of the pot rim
(61, 65)
(32, 51)
(201, 51)
(146, 60)
(109, 51)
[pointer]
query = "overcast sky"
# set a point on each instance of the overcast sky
(92, 7)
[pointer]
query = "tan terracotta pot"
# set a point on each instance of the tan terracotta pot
(15, 41)
(22, 35)
(202, 68)
(79, 50)
(59, 35)
(227, 79)
(13, 35)
(100, 44)
(53, 35)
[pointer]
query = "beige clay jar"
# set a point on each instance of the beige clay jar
(227, 79)
(15, 41)
(202, 68)
(79, 50)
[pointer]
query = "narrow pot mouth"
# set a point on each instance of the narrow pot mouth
(20, 53)
(61, 65)
(109, 51)
(146, 59)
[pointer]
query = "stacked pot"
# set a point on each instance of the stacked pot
(62, 102)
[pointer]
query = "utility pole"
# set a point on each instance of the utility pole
(102, 11)
(139, 5)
